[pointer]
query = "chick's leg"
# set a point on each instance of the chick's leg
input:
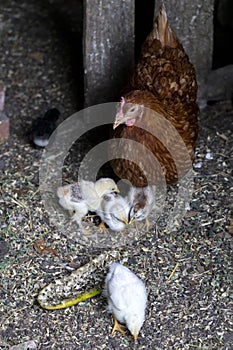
(71, 213)
(136, 226)
(102, 227)
(77, 217)
(147, 223)
(117, 326)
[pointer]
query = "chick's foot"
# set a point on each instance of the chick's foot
(117, 327)
(147, 224)
(102, 227)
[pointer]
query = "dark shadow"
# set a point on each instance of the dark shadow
(144, 17)
(67, 18)
(223, 34)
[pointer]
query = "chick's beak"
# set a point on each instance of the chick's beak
(125, 221)
(131, 220)
(130, 217)
(116, 190)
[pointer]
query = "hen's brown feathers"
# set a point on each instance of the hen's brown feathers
(162, 31)
(164, 68)
(164, 81)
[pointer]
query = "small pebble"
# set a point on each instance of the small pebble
(209, 156)
(198, 165)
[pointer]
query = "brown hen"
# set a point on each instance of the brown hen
(158, 111)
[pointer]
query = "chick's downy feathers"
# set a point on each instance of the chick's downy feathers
(127, 297)
(141, 200)
(114, 211)
(83, 196)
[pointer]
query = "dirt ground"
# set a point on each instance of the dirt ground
(41, 66)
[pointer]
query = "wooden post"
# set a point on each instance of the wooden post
(108, 48)
(193, 23)
(4, 120)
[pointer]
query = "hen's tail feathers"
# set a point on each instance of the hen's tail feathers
(162, 31)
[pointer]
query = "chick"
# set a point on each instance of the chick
(114, 211)
(43, 127)
(141, 200)
(127, 299)
(83, 196)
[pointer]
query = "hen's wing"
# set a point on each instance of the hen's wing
(153, 158)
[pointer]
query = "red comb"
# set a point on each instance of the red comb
(119, 114)
(122, 101)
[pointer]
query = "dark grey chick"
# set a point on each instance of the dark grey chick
(43, 127)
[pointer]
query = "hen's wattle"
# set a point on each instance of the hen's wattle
(158, 112)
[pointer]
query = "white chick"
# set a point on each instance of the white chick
(127, 299)
(141, 200)
(83, 196)
(114, 211)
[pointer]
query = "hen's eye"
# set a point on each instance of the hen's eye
(132, 109)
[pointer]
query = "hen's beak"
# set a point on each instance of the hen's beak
(116, 124)
(116, 190)
(135, 336)
(120, 119)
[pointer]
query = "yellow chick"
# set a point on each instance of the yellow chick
(127, 299)
(80, 197)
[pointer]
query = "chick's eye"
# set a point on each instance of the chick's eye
(114, 217)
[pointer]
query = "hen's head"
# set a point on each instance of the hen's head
(127, 113)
